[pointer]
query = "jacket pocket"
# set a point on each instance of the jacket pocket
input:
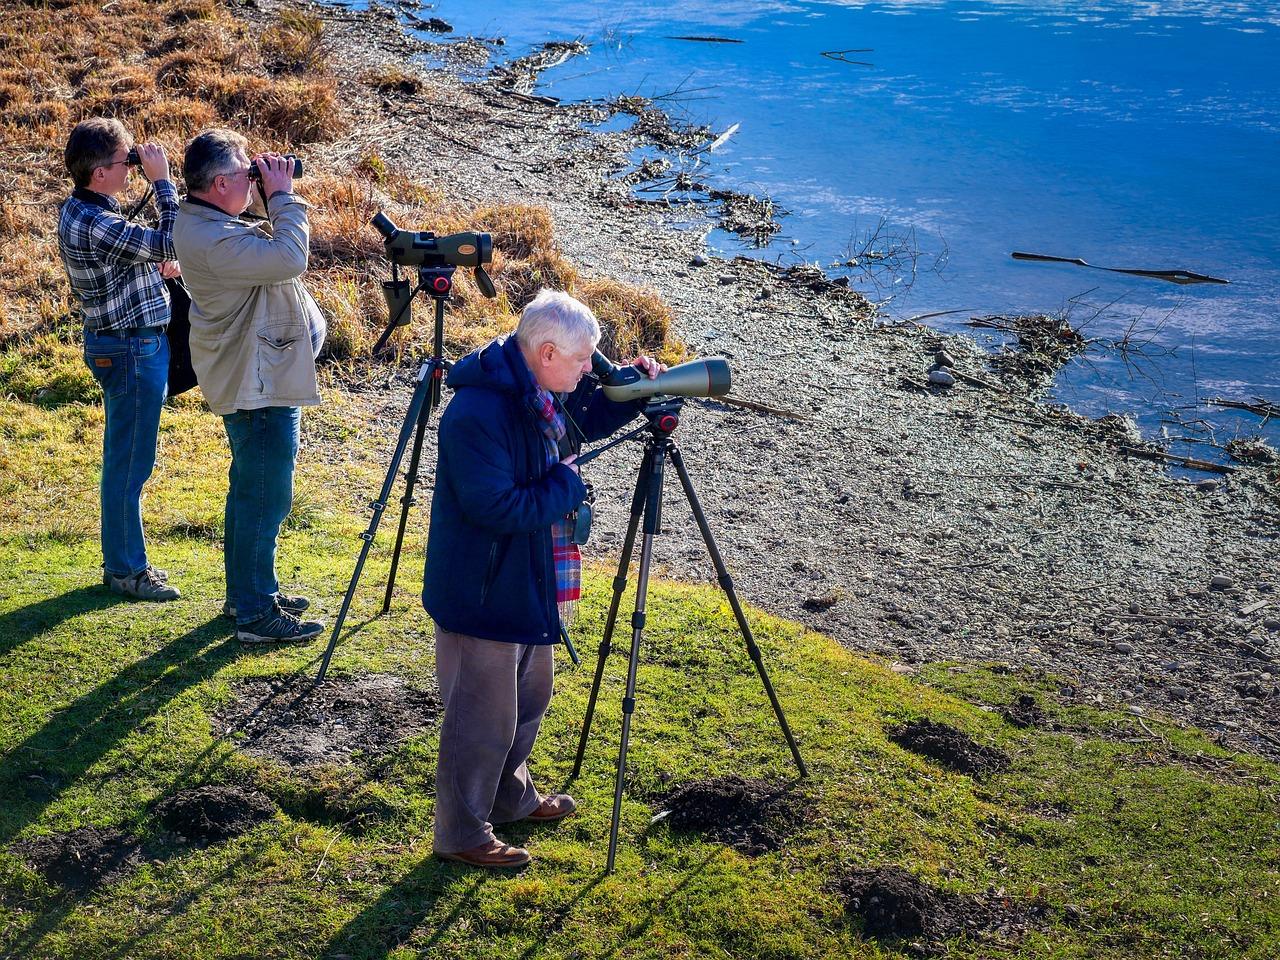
(284, 360)
(496, 556)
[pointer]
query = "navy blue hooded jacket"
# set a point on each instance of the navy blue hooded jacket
(490, 571)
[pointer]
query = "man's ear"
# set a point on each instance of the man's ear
(546, 351)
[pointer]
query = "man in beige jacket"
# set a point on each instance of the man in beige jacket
(255, 333)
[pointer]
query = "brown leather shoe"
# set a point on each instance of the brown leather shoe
(555, 807)
(492, 855)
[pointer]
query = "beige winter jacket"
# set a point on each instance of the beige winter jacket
(250, 336)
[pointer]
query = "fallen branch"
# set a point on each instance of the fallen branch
(761, 407)
(1263, 408)
(1172, 276)
(1189, 462)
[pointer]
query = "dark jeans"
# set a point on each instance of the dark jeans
(495, 695)
(264, 448)
(133, 373)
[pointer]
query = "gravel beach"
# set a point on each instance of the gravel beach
(917, 521)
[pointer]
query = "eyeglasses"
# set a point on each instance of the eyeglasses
(113, 163)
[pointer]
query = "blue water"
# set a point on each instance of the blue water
(1128, 134)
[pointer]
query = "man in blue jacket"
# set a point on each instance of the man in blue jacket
(501, 563)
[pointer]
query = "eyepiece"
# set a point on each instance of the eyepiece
(382, 223)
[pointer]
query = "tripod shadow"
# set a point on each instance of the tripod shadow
(387, 923)
(26, 623)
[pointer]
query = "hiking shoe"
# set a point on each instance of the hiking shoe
(278, 626)
(555, 807)
(494, 854)
(288, 604)
(145, 585)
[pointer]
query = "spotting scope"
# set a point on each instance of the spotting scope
(696, 378)
(423, 248)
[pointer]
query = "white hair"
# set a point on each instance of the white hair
(554, 316)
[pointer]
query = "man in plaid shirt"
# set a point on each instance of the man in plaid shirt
(117, 270)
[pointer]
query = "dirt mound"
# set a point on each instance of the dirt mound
(82, 859)
(1025, 712)
(949, 747)
(211, 814)
(752, 816)
(895, 905)
(290, 720)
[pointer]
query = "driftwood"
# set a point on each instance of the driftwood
(1172, 276)
(839, 56)
(761, 407)
(1190, 463)
(708, 39)
(1263, 408)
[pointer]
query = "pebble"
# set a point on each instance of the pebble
(942, 378)
(1221, 582)
(1271, 623)
(698, 260)
(1207, 486)
(945, 359)
(727, 278)
(1180, 693)
(1123, 647)
(1136, 710)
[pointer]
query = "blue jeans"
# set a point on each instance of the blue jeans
(134, 375)
(264, 448)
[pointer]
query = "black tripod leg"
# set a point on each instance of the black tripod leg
(619, 585)
(411, 477)
(726, 584)
(406, 430)
(629, 698)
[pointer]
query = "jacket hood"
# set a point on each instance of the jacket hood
(498, 366)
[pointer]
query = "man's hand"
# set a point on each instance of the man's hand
(170, 269)
(568, 462)
(650, 366)
(155, 165)
(277, 174)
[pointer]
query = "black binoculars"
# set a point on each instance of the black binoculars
(254, 173)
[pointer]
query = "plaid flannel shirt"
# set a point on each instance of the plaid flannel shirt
(112, 263)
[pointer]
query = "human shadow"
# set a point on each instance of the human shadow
(30, 621)
(388, 922)
(35, 772)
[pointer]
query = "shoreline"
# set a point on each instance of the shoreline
(918, 524)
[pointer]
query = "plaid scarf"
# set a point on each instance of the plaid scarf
(564, 551)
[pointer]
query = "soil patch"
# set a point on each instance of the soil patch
(1026, 712)
(752, 816)
(345, 719)
(82, 859)
(213, 813)
(895, 905)
(949, 747)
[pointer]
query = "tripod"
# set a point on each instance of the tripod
(646, 504)
(438, 282)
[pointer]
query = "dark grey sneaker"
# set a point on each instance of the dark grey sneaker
(288, 604)
(278, 626)
(141, 586)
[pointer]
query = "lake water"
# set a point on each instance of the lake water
(1132, 135)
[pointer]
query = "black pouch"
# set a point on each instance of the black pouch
(182, 377)
(580, 519)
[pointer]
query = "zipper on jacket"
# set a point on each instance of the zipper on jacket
(490, 572)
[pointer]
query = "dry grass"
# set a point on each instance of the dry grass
(172, 68)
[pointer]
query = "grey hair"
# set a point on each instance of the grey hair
(211, 154)
(556, 317)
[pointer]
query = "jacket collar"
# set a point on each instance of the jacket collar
(92, 197)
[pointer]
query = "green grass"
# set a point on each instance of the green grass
(1138, 838)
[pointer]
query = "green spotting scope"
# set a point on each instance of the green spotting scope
(696, 378)
(409, 248)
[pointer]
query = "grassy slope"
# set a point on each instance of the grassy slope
(112, 702)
